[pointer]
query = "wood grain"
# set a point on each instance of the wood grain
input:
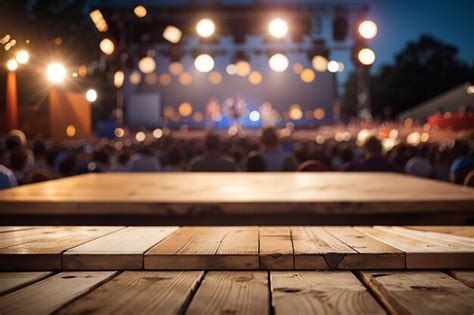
(371, 253)
(276, 248)
(464, 231)
(239, 292)
(422, 253)
(320, 292)
(10, 281)
(266, 193)
(46, 296)
(119, 250)
(196, 248)
(315, 248)
(465, 276)
(420, 292)
(140, 292)
(42, 248)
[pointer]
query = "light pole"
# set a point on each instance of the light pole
(12, 98)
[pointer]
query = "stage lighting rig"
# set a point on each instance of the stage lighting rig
(205, 28)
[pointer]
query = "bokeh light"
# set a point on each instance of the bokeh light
(165, 79)
(278, 28)
(107, 46)
(70, 131)
(147, 65)
(333, 66)
(215, 78)
(91, 95)
(231, 69)
(278, 62)
(140, 11)
(119, 132)
(205, 28)
(319, 113)
(157, 133)
(366, 56)
(56, 72)
(12, 65)
(119, 78)
(135, 77)
(297, 68)
(22, 56)
(243, 68)
(185, 78)
(255, 78)
(368, 29)
(140, 136)
(204, 63)
(254, 116)
(307, 75)
(185, 109)
(172, 34)
(295, 112)
(320, 63)
(175, 68)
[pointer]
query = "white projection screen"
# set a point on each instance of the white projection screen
(143, 109)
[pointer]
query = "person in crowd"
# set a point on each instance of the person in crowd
(7, 178)
(419, 166)
(460, 169)
(19, 163)
(373, 161)
(120, 165)
(275, 159)
(144, 161)
(255, 162)
(213, 160)
(176, 160)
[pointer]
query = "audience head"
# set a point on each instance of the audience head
(18, 158)
(460, 168)
(269, 137)
(372, 146)
(255, 162)
(212, 142)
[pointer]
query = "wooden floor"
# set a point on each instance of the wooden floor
(235, 248)
(238, 292)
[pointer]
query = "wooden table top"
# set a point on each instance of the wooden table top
(239, 193)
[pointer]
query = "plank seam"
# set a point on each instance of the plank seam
(453, 275)
(292, 247)
(270, 294)
(187, 303)
(378, 297)
(28, 283)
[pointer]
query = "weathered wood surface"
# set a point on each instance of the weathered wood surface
(466, 277)
(320, 292)
(206, 248)
(120, 250)
(42, 248)
(420, 292)
(242, 292)
(238, 292)
(138, 292)
(13, 280)
(46, 296)
(233, 248)
(240, 193)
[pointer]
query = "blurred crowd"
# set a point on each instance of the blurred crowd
(25, 161)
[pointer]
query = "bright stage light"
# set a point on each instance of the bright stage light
(333, 66)
(185, 109)
(91, 95)
(147, 65)
(56, 72)
(157, 133)
(12, 65)
(278, 62)
(205, 27)
(107, 46)
(172, 34)
(320, 63)
(307, 75)
(140, 11)
(368, 29)
(366, 56)
(295, 112)
(119, 77)
(254, 115)
(278, 28)
(22, 57)
(119, 132)
(204, 63)
(140, 136)
(99, 21)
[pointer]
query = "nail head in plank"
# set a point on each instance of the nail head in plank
(46, 296)
(276, 248)
(120, 250)
(320, 292)
(43, 251)
(420, 292)
(140, 292)
(238, 292)
(12, 280)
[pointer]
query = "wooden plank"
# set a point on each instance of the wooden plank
(466, 277)
(422, 254)
(276, 248)
(10, 281)
(116, 251)
(250, 193)
(314, 248)
(46, 296)
(140, 292)
(197, 248)
(41, 249)
(239, 292)
(371, 253)
(420, 292)
(465, 231)
(320, 292)
(437, 238)
(5, 229)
